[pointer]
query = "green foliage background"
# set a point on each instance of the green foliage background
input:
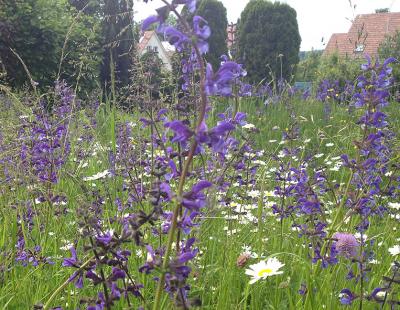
(267, 30)
(37, 31)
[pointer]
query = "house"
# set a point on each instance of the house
(151, 42)
(366, 33)
(231, 35)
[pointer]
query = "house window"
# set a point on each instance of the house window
(152, 49)
(359, 48)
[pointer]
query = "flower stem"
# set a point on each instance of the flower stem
(202, 112)
(62, 286)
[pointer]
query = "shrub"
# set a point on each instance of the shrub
(42, 33)
(268, 40)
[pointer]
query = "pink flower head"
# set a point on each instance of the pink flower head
(346, 244)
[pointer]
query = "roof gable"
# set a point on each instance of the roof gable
(366, 33)
(150, 38)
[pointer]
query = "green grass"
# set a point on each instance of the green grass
(218, 281)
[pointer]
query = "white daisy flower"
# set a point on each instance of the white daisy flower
(264, 269)
(248, 126)
(395, 250)
(97, 176)
(394, 205)
(254, 193)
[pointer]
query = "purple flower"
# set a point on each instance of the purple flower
(191, 4)
(72, 261)
(220, 83)
(196, 199)
(105, 238)
(201, 28)
(175, 37)
(182, 131)
(146, 24)
(346, 244)
(202, 32)
(346, 297)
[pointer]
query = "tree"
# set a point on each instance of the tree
(307, 68)
(268, 40)
(44, 34)
(118, 41)
(214, 13)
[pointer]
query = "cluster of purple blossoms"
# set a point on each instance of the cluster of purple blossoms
(159, 173)
(45, 143)
(333, 91)
(369, 169)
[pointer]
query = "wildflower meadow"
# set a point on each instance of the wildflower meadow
(223, 194)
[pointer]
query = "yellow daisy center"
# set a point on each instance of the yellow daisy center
(264, 272)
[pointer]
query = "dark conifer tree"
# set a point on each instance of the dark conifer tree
(118, 41)
(268, 40)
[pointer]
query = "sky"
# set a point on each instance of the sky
(317, 19)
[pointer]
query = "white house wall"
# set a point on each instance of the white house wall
(155, 42)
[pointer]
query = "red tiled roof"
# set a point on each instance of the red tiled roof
(338, 42)
(145, 40)
(368, 30)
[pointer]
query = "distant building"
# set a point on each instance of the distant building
(366, 33)
(231, 31)
(151, 42)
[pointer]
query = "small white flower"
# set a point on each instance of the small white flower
(395, 250)
(231, 232)
(281, 154)
(254, 193)
(381, 294)
(272, 141)
(260, 162)
(38, 201)
(394, 205)
(358, 236)
(247, 250)
(319, 155)
(67, 246)
(97, 176)
(248, 126)
(307, 140)
(335, 168)
(264, 269)
(329, 144)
